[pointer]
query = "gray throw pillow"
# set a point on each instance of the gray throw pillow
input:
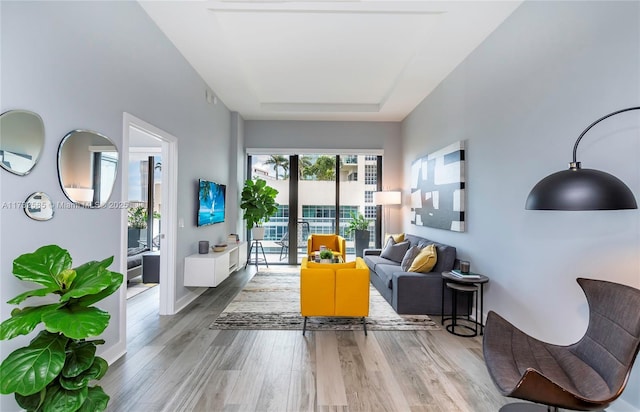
(407, 260)
(395, 251)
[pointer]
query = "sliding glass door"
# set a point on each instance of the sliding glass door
(317, 193)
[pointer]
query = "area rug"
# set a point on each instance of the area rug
(271, 301)
(136, 287)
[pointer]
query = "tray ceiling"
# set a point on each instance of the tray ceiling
(325, 60)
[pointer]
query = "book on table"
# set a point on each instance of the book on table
(464, 275)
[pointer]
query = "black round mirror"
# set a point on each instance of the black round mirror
(21, 141)
(38, 206)
(87, 167)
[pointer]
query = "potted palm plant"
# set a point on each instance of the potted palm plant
(359, 226)
(258, 200)
(55, 371)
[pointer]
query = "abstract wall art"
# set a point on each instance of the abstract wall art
(438, 189)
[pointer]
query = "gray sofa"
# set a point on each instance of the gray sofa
(410, 292)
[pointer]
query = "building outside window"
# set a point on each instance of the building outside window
(368, 196)
(370, 212)
(370, 174)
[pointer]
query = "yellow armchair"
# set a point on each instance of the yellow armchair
(334, 289)
(336, 243)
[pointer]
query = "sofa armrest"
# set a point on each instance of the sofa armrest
(371, 252)
(417, 292)
(342, 247)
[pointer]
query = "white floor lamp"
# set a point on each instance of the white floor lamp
(386, 198)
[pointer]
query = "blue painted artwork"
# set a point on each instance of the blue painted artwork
(211, 198)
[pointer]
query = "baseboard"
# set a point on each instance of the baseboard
(114, 353)
(184, 301)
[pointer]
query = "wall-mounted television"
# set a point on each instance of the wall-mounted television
(211, 202)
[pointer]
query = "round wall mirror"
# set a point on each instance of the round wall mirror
(22, 140)
(87, 167)
(38, 206)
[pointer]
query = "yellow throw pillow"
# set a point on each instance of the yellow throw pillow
(335, 266)
(425, 261)
(397, 237)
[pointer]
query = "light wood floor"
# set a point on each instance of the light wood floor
(175, 363)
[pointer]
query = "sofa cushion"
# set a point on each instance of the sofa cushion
(136, 250)
(397, 237)
(385, 272)
(408, 258)
(446, 258)
(417, 240)
(373, 261)
(394, 251)
(426, 260)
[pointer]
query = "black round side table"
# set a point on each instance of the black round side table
(460, 286)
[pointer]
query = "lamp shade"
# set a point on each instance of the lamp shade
(387, 197)
(580, 189)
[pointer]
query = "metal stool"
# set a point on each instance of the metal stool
(255, 244)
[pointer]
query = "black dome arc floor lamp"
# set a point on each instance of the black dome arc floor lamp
(582, 189)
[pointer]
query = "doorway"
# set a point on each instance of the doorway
(318, 192)
(164, 145)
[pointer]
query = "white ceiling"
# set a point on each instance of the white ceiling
(367, 60)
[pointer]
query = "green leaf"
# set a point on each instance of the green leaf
(36, 292)
(116, 281)
(23, 321)
(30, 369)
(59, 399)
(80, 356)
(31, 402)
(96, 400)
(77, 322)
(42, 266)
(92, 277)
(96, 371)
(65, 278)
(100, 366)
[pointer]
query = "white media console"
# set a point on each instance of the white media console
(210, 269)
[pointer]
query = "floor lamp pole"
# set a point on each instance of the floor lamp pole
(386, 198)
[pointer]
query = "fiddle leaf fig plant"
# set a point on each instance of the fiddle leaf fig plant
(54, 371)
(258, 200)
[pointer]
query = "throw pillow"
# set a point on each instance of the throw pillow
(425, 261)
(397, 237)
(394, 251)
(335, 266)
(408, 258)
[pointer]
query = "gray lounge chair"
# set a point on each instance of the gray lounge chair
(587, 375)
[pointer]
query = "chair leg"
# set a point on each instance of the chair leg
(304, 326)
(284, 251)
(249, 255)
(263, 255)
(364, 325)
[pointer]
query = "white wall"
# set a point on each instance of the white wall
(81, 65)
(520, 101)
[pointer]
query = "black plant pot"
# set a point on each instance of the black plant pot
(133, 236)
(362, 241)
